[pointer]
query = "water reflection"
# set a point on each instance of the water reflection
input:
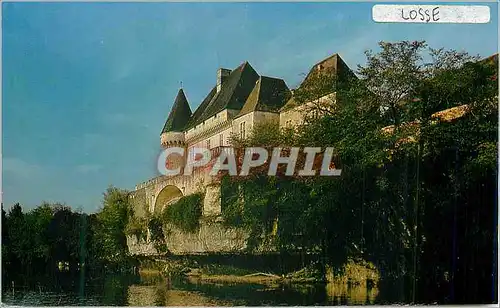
(343, 294)
(194, 292)
(155, 290)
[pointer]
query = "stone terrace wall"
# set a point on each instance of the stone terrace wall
(139, 203)
(211, 237)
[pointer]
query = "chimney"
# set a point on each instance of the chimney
(222, 74)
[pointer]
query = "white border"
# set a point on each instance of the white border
(355, 1)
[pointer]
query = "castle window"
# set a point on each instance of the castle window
(221, 140)
(242, 130)
(208, 143)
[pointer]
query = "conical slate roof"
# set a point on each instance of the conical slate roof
(179, 115)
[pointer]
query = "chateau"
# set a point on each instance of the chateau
(239, 100)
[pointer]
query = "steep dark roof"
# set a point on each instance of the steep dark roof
(269, 94)
(333, 64)
(292, 103)
(493, 59)
(196, 118)
(179, 115)
(233, 94)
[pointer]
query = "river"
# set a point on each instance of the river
(155, 290)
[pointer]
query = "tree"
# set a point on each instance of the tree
(393, 75)
(113, 219)
(417, 144)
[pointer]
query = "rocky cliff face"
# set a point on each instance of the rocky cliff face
(211, 237)
(141, 247)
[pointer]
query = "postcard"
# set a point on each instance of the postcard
(249, 154)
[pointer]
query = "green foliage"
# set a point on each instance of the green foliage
(137, 227)
(247, 203)
(185, 213)
(113, 219)
(401, 194)
(156, 231)
(264, 134)
(36, 241)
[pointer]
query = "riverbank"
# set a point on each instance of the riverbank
(157, 290)
(353, 272)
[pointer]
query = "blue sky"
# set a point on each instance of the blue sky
(86, 87)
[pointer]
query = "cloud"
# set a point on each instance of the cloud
(20, 168)
(30, 184)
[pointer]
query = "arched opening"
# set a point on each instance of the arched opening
(167, 195)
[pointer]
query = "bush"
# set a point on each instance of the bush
(355, 271)
(137, 227)
(185, 213)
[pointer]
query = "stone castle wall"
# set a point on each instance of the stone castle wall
(139, 203)
(137, 246)
(212, 236)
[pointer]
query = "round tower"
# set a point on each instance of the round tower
(174, 140)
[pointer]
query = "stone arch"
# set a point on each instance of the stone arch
(167, 194)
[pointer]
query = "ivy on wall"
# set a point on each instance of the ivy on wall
(185, 213)
(137, 226)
